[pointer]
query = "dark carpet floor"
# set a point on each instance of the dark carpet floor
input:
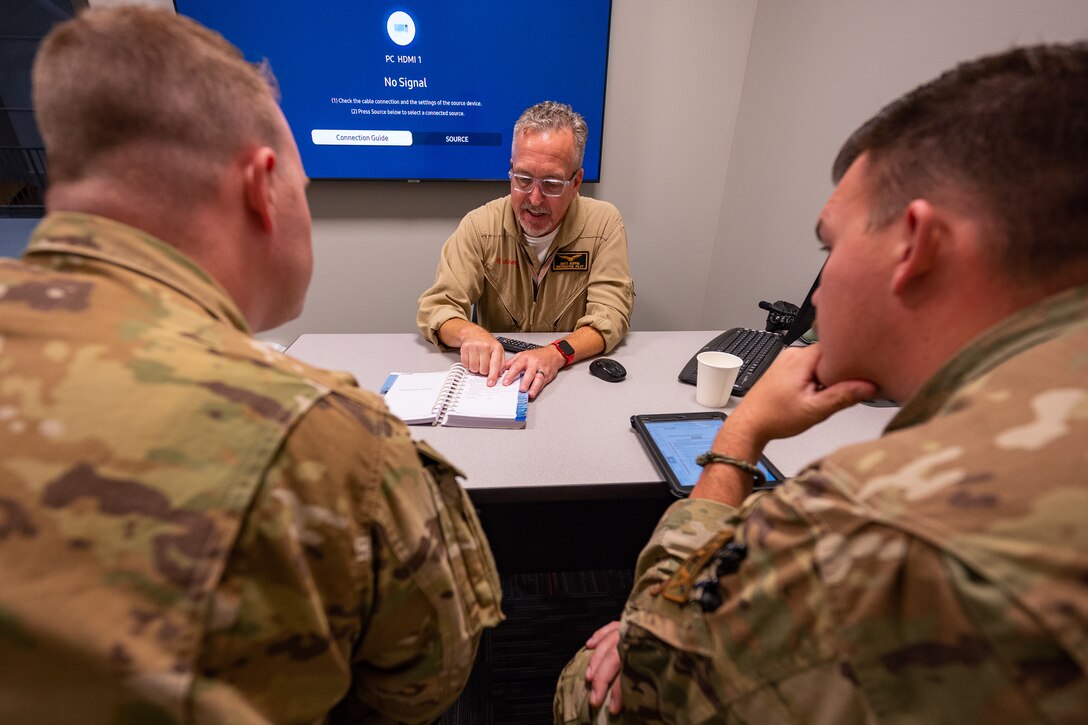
(548, 618)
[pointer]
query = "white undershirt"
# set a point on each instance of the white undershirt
(540, 245)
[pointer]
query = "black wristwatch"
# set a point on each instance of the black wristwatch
(565, 350)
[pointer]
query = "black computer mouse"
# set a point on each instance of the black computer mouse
(607, 369)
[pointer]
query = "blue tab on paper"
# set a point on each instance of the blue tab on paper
(523, 407)
(388, 383)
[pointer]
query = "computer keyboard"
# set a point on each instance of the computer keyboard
(515, 346)
(757, 348)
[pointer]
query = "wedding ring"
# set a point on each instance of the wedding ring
(540, 372)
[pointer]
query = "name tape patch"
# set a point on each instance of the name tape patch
(570, 262)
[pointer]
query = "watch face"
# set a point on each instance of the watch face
(565, 348)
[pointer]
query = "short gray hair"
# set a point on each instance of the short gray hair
(551, 116)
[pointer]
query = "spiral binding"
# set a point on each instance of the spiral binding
(449, 394)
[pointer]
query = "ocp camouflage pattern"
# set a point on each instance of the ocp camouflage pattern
(936, 575)
(195, 528)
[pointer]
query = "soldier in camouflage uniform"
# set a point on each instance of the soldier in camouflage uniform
(940, 573)
(194, 528)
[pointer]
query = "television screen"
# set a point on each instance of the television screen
(426, 89)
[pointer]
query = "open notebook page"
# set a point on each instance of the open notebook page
(412, 397)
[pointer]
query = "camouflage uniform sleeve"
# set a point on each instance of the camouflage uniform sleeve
(762, 649)
(436, 589)
(682, 530)
(360, 576)
(686, 527)
(764, 652)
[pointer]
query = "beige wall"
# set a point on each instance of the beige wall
(817, 70)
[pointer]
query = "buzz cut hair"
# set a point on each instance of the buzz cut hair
(148, 83)
(1004, 137)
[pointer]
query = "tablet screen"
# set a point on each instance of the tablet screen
(680, 440)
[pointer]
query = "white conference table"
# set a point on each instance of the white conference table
(578, 442)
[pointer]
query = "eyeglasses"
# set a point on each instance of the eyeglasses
(548, 187)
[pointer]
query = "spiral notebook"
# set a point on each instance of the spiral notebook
(455, 397)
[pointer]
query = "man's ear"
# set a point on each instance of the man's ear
(924, 230)
(258, 167)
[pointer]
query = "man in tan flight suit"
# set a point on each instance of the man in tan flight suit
(542, 259)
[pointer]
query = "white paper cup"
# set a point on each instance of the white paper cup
(715, 377)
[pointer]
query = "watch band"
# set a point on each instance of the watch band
(565, 350)
(712, 457)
